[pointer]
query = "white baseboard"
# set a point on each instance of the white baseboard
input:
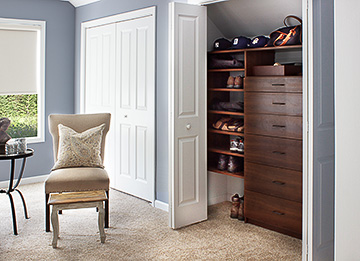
(24, 181)
(162, 205)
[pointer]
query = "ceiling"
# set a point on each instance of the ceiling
(252, 17)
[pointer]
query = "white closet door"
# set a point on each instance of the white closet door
(135, 107)
(100, 82)
(187, 108)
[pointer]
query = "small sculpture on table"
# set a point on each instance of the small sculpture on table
(4, 137)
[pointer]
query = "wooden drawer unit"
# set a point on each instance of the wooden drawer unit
(274, 84)
(283, 183)
(274, 125)
(273, 103)
(278, 152)
(274, 212)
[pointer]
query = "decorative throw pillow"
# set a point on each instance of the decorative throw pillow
(79, 149)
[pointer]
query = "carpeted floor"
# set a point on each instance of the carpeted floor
(138, 232)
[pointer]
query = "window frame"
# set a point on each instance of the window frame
(40, 27)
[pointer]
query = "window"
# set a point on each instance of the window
(22, 77)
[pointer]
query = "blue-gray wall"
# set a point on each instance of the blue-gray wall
(59, 70)
(111, 7)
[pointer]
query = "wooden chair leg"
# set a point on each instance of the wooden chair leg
(107, 210)
(47, 213)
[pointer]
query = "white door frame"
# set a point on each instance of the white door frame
(136, 14)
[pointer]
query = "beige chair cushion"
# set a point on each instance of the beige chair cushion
(77, 179)
(79, 149)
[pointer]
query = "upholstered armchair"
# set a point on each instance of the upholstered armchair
(72, 179)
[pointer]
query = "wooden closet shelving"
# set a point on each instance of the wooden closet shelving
(272, 137)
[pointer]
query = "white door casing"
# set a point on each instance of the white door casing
(187, 115)
(135, 109)
(118, 76)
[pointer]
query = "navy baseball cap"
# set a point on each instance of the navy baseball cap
(259, 41)
(240, 42)
(222, 44)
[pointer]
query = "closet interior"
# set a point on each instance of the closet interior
(255, 116)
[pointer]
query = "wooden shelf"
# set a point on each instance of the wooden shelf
(258, 49)
(226, 152)
(226, 132)
(225, 90)
(235, 174)
(227, 70)
(226, 112)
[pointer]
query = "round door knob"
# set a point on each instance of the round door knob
(188, 126)
(125, 116)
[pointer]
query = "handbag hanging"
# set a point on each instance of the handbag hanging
(288, 35)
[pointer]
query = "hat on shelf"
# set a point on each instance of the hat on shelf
(240, 42)
(259, 41)
(222, 44)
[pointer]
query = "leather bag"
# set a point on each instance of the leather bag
(288, 35)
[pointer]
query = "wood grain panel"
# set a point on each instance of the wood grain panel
(274, 84)
(274, 211)
(274, 103)
(277, 152)
(283, 183)
(274, 125)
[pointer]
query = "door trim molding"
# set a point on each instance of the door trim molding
(308, 133)
(136, 14)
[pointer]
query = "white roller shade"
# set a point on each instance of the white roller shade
(19, 60)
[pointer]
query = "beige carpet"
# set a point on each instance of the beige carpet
(138, 232)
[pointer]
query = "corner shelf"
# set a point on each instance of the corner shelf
(226, 112)
(226, 152)
(241, 134)
(235, 174)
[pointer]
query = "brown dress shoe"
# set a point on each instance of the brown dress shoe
(235, 200)
(230, 82)
(241, 209)
(238, 82)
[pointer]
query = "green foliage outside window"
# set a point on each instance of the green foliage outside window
(22, 111)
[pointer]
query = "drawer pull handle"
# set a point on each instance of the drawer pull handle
(278, 213)
(279, 126)
(279, 103)
(278, 84)
(279, 152)
(278, 182)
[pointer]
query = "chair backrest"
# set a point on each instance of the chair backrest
(79, 123)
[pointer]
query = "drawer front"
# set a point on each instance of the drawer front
(274, 103)
(283, 183)
(274, 84)
(274, 211)
(274, 125)
(277, 152)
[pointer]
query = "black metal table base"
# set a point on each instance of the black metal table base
(14, 187)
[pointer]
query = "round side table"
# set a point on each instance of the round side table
(12, 187)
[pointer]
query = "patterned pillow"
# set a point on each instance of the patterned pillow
(79, 149)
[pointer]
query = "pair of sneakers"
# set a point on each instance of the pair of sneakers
(235, 82)
(237, 209)
(237, 145)
(230, 163)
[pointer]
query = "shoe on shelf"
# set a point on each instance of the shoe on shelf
(240, 215)
(239, 82)
(234, 211)
(237, 145)
(235, 164)
(223, 162)
(230, 82)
